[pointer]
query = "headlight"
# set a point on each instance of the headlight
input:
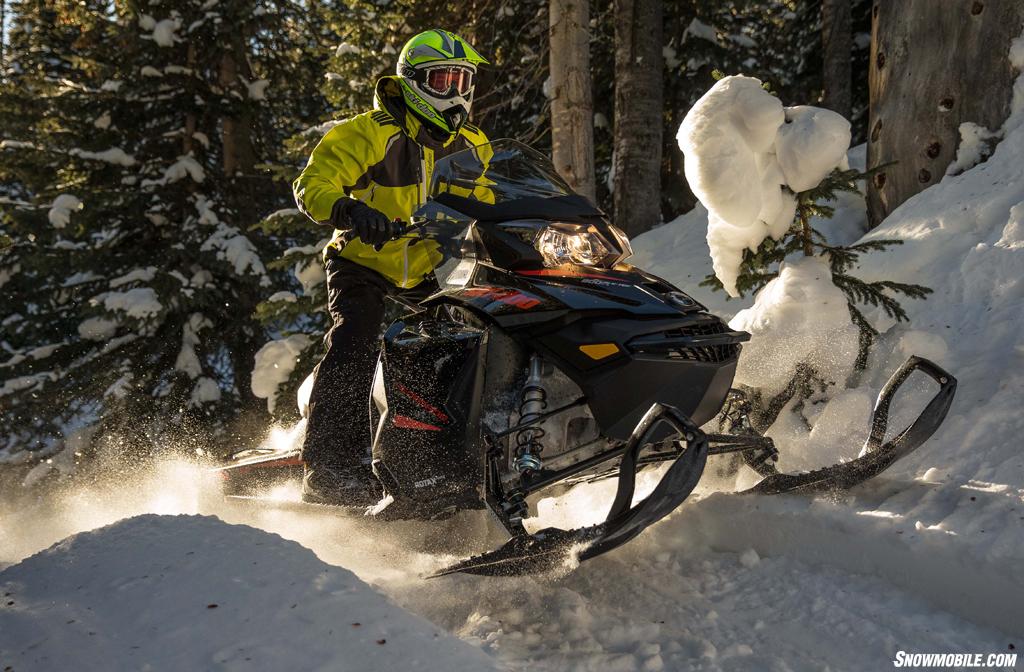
(562, 244)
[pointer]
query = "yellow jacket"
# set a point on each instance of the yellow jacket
(384, 158)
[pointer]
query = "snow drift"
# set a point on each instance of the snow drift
(194, 593)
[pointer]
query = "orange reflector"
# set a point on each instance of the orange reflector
(599, 350)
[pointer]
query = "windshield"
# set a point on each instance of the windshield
(498, 172)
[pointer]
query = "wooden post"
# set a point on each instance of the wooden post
(572, 104)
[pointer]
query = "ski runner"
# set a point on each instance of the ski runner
(366, 176)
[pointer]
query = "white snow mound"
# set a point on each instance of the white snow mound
(61, 209)
(194, 593)
(275, 362)
(799, 317)
(746, 156)
(811, 143)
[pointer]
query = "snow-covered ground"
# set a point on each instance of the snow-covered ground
(193, 593)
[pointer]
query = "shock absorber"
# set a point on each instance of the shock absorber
(534, 401)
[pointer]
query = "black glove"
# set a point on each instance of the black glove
(370, 225)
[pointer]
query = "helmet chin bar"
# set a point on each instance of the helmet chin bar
(455, 116)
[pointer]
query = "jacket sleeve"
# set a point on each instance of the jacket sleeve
(337, 164)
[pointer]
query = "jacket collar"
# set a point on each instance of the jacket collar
(388, 97)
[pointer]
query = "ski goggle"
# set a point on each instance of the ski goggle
(447, 80)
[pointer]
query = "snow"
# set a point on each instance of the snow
(97, 328)
(701, 30)
(205, 391)
(975, 146)
(138, 275)
(9, 272)
(16, 144)
(184, 166)
(138, 303)
(163, 32)
(226, 596)
(234, 248)
(799, 317)
(811, 143)
(61, 209)
(257, 90)
(274, 364)
(727, 137)
(19, 383)
(287, 297)
(114, 155)
(745, 155)
(188, 361)
(672, 61)
(310, 274)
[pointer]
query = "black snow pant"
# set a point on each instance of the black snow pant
(338, 432)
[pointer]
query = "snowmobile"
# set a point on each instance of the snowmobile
(545, 360)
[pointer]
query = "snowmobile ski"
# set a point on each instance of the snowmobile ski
(528, 553)
(875, 456)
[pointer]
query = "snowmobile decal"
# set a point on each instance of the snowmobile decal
(433, 410)
(511, 297)
(405, 422)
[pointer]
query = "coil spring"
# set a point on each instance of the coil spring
(528, 441)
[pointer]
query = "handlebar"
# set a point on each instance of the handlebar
(405, 230)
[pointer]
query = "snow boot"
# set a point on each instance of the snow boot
(352, 487)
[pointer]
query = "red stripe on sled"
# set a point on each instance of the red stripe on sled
(436, 412)
(403, 422)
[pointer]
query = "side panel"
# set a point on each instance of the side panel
(426, 401)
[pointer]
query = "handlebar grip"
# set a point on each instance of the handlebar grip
(401, 229)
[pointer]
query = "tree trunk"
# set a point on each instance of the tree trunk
(572, 103)
(934, 65)
(837, 47)
(638, 114)
(236, 129)
(3, 33)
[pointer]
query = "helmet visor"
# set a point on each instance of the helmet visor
(448, 80)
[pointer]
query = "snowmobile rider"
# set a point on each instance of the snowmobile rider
(367, 175)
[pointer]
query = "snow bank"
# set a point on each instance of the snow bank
(275, 362)
(194, 593)
(745, 156)
(799, 317)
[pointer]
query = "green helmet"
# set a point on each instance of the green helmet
(437, 72)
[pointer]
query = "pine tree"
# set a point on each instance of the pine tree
(762, 266)
(132, 308)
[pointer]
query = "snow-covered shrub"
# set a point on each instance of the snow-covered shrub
(766, 172)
